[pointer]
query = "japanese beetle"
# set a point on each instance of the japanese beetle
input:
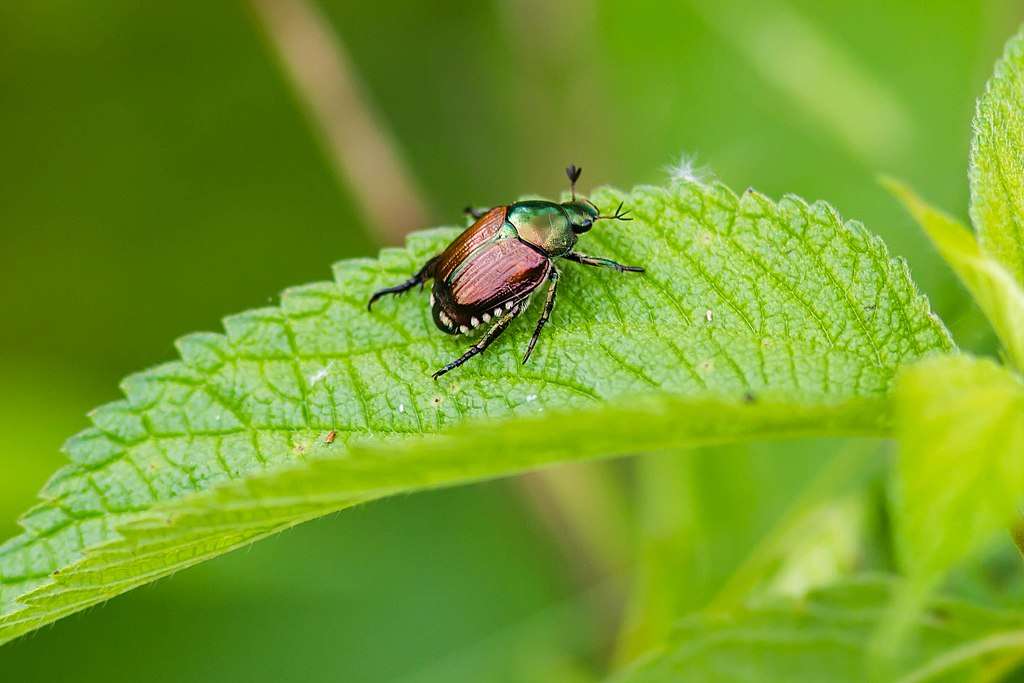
(488, 273)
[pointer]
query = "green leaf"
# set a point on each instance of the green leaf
(754, 319)
(960, 476)
(997, 162)
(823, 637)
(990, 284)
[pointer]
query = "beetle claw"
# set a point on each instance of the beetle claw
(619, 214)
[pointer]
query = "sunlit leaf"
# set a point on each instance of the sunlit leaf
(754, 319)
(997, 162)
(988, 280)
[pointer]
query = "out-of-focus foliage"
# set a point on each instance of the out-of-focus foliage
(961, 428)
(137, 139)
(798, 517)
(823, 638)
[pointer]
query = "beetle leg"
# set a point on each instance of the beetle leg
(484, 342)
(424, 274)
(474, 213)
(545, 314)
(602, 263)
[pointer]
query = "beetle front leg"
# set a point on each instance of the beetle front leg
(424, 274)
(602, 263)
(549, 304)
(484, 342)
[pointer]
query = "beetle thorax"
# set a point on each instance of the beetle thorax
(544, 225)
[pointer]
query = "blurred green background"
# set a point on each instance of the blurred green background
(158, 170)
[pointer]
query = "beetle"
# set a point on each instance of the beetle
(488, 273)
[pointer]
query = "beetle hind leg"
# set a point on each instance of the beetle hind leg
(424, 274)
(500, 326)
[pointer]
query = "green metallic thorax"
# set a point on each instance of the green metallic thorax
(543, 224)
(552, 228)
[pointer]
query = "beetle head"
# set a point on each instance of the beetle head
(582, 215)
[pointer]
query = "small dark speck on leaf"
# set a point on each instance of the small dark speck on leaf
(870, 307)
(749, 397)
(331, 435)
(436, 400)
(939, 613)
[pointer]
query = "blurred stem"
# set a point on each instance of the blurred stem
(584, 504)
(364, 155)
(670, 531)
(583, 508)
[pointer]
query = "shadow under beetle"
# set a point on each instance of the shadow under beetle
(488, 273)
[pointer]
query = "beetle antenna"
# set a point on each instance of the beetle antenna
(619, 215)
(573, 171)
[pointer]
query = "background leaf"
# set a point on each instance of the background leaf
(754, 319)
(960, 476)
(997, 162)
(721, 526)
(823, 638)
(989, 282)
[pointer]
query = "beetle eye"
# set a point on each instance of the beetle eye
(583, 225)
